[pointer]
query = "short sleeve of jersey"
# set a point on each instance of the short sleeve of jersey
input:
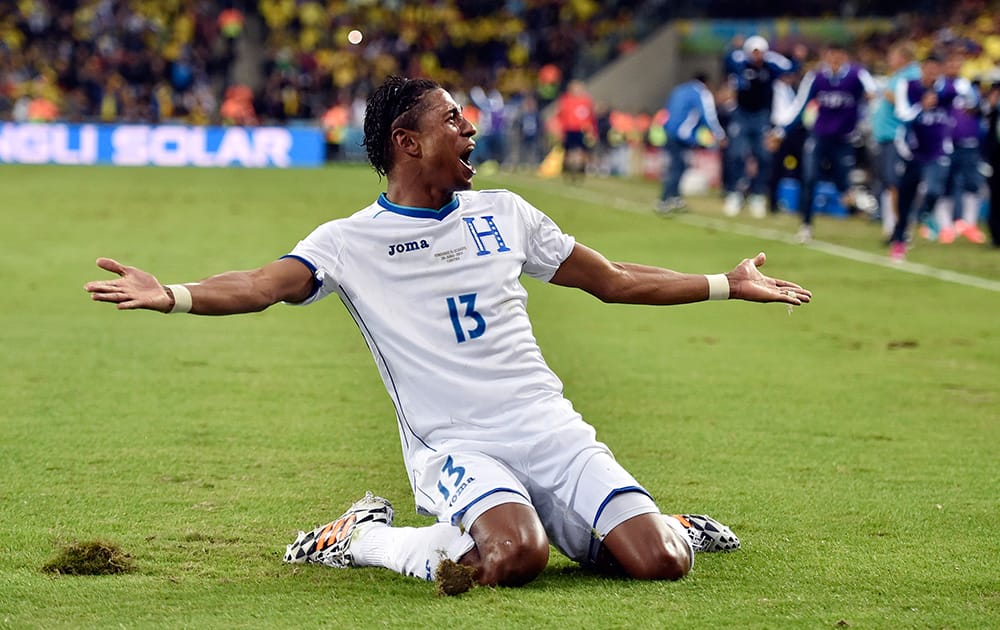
(321, 253)
(546, 246)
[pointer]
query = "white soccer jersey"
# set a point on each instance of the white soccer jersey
(438, 299)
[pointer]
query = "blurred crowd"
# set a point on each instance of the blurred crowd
(146, 60)
(514, 65)
(504, 62)
(103, 60)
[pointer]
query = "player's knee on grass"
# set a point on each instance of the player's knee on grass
(511, 546)
(644, 548)
(510, 562)
(670, 560)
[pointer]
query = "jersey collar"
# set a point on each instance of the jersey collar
(419, 213)
(840, 74)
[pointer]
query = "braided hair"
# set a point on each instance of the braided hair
(397, 103)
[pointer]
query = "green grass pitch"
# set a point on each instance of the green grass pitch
(854, 444)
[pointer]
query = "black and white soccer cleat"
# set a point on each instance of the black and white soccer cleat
(330, 544)
(708, 534)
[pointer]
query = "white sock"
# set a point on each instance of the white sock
(681, 531)
(943, 212)
(888, 213)
(413, 551)
(970, 208)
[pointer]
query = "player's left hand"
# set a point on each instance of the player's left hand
(746, 282)
(134, 288)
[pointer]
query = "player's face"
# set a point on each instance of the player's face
(446, 143)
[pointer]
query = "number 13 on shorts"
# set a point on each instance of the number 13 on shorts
(452, 477)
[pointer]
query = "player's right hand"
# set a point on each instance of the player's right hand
(134, 288)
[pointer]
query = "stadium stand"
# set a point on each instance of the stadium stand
(284, 61)
(291, 62)
(123, 61)
(141, 60)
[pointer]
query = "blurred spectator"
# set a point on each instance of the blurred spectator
(602, 143)
(335, 122)
(231, 24)
(526, 123)
(957, 212)
(752, 70)
(549, 84)
(885, 125)
(237, 108)
(923, 106)
(578, 126)
(786, 161)
(840, 90)
(690, 110)
(38, 103)
(491, 126)
(725, 99)
(991, 151)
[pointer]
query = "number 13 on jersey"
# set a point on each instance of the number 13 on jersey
(469, 317)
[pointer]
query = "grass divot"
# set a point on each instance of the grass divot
(92, 557)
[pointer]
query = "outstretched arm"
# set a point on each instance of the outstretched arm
(629, 283)
(228, 293)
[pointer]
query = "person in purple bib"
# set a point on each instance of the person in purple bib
(925, 144)
(840, 89)
(957, 213)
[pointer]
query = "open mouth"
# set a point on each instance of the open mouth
(465, 157)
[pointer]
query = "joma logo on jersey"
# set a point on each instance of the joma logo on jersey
(458, 491)
(408, 246)
(479, 237)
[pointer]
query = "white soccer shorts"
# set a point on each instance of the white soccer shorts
(578, 489)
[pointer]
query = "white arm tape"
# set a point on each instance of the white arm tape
(718, 286)
(182, 298)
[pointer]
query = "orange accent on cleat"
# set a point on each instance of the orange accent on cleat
(330, 544)
(334, 532)
(971, 232)
(684, 521)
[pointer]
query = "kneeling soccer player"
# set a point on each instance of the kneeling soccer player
(431, 274)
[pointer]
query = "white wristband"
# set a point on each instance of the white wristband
(718, 286)
(182, 298)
